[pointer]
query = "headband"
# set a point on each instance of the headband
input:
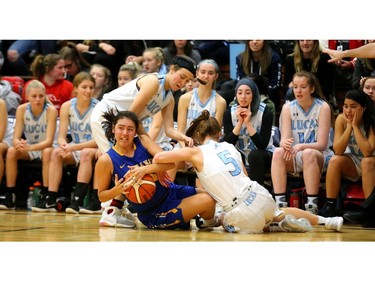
(186, 63)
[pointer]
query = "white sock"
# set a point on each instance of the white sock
(321, 220)
(281, 200)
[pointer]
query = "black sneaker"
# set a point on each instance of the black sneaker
(328, 211)
(361, 216)
(43, 207)
(93, 207)
(202, 224)
(8, 202)
(73, 208)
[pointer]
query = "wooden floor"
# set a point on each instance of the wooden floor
(27, 226)
(133, 255)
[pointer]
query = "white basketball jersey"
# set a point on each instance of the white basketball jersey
(245, 142)
(305, 124)
(123, 97)
(35, 127)
(79, 125)
(8, 137)
(196, 107)
(221, 175)
(353, 147)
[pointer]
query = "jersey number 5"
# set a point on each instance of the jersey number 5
(228, 159)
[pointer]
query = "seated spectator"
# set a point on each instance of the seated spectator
(6, 137)
(354, 147)
(50, 70)
(305, 125)
(364, 67)
(153, 61)
(74, 61)
(248, 126)
(74, 119)
(308, 56)
(103, 80)
(368, 87)
(192, 103)
(180, 48)
(36, 120)
(257, 58)
(21, 51)
(128, 72)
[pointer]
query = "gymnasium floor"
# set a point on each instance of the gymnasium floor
(29, 226)
(289, 255)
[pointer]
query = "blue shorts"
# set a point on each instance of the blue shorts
(167, 215)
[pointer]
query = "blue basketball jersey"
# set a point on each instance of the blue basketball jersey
(141, 158)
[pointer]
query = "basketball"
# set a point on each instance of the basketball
(143, 190)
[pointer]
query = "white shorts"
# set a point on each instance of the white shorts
(255, 213)
(298, 163)
(357, 163)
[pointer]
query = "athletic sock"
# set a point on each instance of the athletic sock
(117, 203)
(281, 200)
(321, 220)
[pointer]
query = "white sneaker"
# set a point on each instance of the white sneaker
(311, 208)
(113, 216)
(291, 224)
(334, 223)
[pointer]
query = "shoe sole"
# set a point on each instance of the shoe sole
(40, 210)
(71, 211)
(6, 208)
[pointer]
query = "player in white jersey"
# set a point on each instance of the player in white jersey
(75, 121)
(305, 125)
(36, 120)
(146, 96)
(6, 136)
(248, 126)
(153, 61)
(191, 104)
(248, 206)
(354, 145)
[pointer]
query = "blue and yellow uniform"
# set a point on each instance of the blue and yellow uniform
(161, 211)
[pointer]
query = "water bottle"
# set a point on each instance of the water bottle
(31, 198)
(38, 191)
(294, 200)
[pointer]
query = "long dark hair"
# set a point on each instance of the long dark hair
(201, 127)
(112, 116)
(364, 100)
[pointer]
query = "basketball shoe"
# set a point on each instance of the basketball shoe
(291, 224)
(311, 208)
(45, 205)
(214, 222)
(8, 203)
(113, 216)
(334, 223)
(92, 207)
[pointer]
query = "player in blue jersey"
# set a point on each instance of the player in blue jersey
(127, 161)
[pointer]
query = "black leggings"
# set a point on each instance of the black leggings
(259, 165)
